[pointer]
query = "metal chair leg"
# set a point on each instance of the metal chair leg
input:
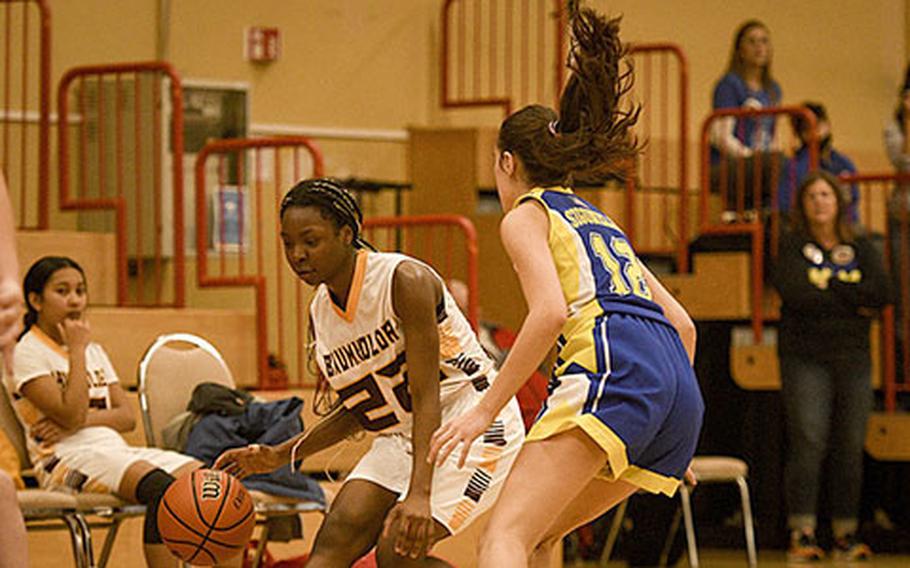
(77, 540)
(671, 536)
(690, 525)
(751, 553)
(86, 540)
(613, 535)
(109, 539)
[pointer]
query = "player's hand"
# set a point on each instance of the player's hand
(47, 432)
(410, 524)
(689, 477)
(460, 430)
(76, 333)
(249, 460)
(10, 320)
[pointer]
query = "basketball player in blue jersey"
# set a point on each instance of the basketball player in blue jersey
(624, 408)
(390, 341)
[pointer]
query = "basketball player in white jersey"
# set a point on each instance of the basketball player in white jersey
(402, 359)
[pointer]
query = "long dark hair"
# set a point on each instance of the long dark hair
(590, 139)
(738, 67)
(799, 224)
(36, 279)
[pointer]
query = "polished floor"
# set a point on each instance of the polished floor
(767, 559)
(52, 549)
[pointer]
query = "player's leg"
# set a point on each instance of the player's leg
(145, 482)
(598, 497)
(386, 557)
(547, 476)
(353, 524)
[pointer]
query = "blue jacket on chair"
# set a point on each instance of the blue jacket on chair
(260, 423)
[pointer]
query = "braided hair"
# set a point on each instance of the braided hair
(338, 205)
(334, 202)
(590, 139)
(36, 279)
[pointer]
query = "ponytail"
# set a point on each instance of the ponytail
(590, 139)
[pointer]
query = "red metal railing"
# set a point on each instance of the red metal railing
(25, 73)
(883, 212)
(743, 223)
(662, 87)
(432, 238)
(120, 148)
(246, 179)
(504, 53)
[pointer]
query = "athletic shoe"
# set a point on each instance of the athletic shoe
(851, 548)
(804, 547)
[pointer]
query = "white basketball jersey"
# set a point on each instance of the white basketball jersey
(361, 350)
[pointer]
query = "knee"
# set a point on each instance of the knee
(386, 557)
(343, 532)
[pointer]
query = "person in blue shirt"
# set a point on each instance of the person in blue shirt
(829, 160)
(745, 143)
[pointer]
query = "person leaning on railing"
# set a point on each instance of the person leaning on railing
(829, 159)
(832, 283)
(749, 142)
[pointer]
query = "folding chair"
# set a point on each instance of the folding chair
(40, 506)
(168, 372)
(707, 470)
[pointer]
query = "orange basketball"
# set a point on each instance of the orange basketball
(206, 516)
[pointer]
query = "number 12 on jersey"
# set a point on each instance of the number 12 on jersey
(620, 262)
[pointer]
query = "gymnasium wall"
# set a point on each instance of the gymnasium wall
(364, 64)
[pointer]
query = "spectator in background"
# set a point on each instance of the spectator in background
(745, 144)
(831, 282)
(829, 160)
(13, 541)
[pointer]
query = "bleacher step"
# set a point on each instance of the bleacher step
(95, 252)
(125, 333)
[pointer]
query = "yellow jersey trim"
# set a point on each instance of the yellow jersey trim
(558, 420)
(47, 340)
(360, 269)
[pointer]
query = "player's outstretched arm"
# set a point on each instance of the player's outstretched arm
(256, 458)
(415, 294)
(524, 234)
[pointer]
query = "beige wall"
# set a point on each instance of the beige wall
(369, 64)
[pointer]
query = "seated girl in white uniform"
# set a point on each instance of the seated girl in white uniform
(69, 400)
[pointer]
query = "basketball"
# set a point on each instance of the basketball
(205, 517)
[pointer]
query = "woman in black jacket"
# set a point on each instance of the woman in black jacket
(832, 283)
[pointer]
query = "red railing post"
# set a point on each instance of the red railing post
(755, 227)
(258, 281)
(117, 203)
(11, 115)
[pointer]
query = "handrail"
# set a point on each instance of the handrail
(754, 228)
(888, 316)
(44, 103)
(258, 280)
(470, 235)
(682, 254)
(117, 203)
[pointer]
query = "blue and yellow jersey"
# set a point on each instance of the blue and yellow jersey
(598, 270)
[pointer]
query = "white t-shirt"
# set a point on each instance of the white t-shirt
(37, 355)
